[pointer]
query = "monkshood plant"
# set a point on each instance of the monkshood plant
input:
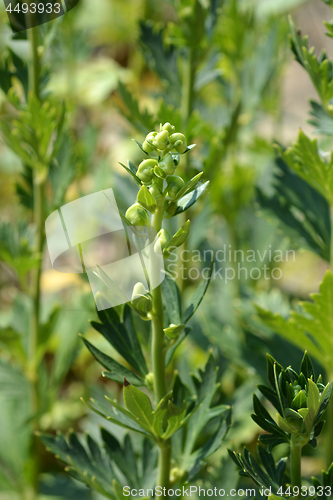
(182, 424)
(300, 400)
(302, 201)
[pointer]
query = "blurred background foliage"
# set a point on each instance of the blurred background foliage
(223, 72)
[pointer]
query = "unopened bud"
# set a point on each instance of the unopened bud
(161, 140)
(162, 241)
(167, 126)
(146, 170)
(179, 142)
(137, 215)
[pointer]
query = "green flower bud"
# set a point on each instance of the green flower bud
(161, 140)
(162, 240)
(155, 191)
(140, 300)
(173, 331)
(167, 164)
(146, 170)
(149, 380)
(137, 215)
(138, 290)
(147, 143)
(174, 185)
(179, 142)
(167, 126)
(147, 147)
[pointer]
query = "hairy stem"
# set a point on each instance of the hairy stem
(295, 463)
(158, 352)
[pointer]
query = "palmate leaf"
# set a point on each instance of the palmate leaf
(312, 327)
(189, 445)
(271, 477)
(304, 158)
(321, 119)
(104, 466)
(160, 59)
(303, 211)
(319, 69)
(122, 336)
(116, 371)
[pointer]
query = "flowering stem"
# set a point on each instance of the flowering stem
(38, 217)
(158, 352)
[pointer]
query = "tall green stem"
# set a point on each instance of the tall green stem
(295, 463)
(38, 216)
(158, 353)
(34, 64)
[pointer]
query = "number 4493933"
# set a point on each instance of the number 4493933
(48, 8)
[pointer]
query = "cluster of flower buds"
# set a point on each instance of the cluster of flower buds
(157, 173)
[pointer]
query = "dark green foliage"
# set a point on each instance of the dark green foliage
(271, 477)
(303, 212)
(107, 466)
(209, 424)
(122, 336)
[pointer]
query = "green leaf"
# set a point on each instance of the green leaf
(139, 405)
(177, 239)
(305, 159)
(161, 59)
(146, 199)
(117, 415)
(116, 372)
(311, 326)
(176, 418)
(172, 331)
(188, 456)
(171, 300)
(321, 119)
(132, 174)
(92, 468)
(122, 336)
(307, 367)
(198, 295)
(302, 211)
(189, 186)
(189, 199)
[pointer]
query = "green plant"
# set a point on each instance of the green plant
(176, 419)
(302, 200)
(35, 128)
(300, 401)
